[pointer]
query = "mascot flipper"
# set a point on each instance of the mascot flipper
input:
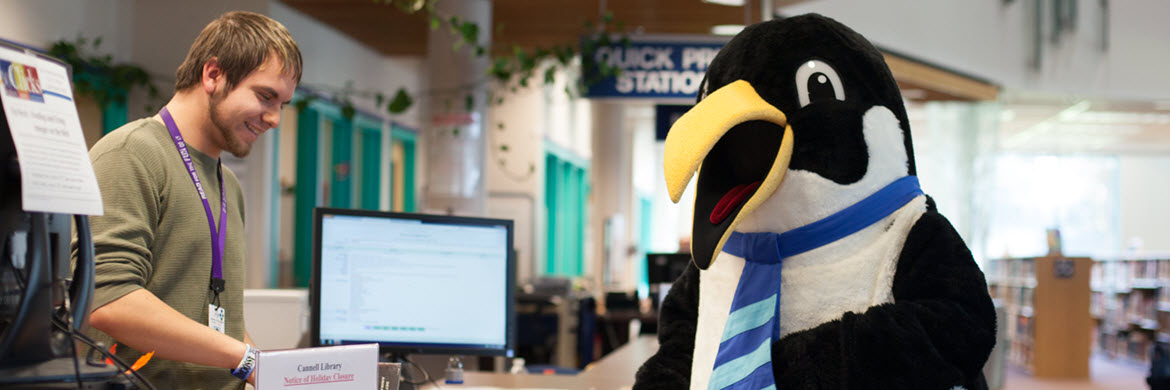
(818, 261)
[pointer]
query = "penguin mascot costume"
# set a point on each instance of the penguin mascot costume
(818, 261)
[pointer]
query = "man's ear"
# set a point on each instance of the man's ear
(213, 77)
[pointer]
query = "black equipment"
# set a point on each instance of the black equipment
(44, 301)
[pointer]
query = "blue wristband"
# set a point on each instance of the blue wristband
(247, 364)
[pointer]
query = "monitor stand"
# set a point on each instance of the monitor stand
(408, 373)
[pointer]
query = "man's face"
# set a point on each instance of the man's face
(252, 107)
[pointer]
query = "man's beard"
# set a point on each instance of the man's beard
(232, 141)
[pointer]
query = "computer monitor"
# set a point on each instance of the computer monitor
(661, 271)
(413, 283)
(666, 267)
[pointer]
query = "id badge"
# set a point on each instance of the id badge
(216, 317)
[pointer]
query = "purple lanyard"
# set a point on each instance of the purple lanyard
(218, 236)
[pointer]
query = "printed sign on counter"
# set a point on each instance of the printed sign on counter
(56, 175)
(341, 367)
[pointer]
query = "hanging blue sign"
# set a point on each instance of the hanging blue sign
(668, 69)
(664, 117)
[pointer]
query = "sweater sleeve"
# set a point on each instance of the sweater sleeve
(123, 236)
(670, 367)
(937, 334)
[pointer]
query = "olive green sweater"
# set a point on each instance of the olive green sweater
(154, 235)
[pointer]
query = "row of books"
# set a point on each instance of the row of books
(1125, 275)
(1129, 345)
(1131, 300)
(1017, 272)
(1012, 295)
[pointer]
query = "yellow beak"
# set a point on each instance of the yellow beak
(694, 134)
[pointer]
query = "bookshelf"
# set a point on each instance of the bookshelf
(1130, 307)
(1047, 301)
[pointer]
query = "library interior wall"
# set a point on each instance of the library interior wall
(514, 190)
(1144, 208)
(39, 23)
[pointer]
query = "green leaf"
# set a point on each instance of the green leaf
(607, 17)
(500, 125)
(499, 69)
(550, 75)
(503, 148)
(469, 32)
(379, 98)
(400, 103)
(434, 22)
(564, 54)
(97, 42)
(480, 51)
(455, 132)
(348, 111)
(469, 102)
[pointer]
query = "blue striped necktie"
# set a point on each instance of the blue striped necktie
(744, 360)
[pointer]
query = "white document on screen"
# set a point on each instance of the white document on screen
(341, 367)
(55, 171)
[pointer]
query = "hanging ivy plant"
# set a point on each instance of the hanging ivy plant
(99, 77)
(512, 71)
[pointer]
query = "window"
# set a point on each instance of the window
(1032, 193)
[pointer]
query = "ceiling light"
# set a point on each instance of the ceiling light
(735, 3)
(913, 93)
(726, 29)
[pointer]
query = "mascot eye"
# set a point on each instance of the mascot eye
(817, 81)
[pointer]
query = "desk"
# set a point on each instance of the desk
(614, 371)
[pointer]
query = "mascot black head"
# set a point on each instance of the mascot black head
(793, 118)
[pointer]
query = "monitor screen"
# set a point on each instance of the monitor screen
(666, 267)
(413, 283)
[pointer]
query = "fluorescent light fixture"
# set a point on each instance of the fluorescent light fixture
(735, 3)
(726, 29)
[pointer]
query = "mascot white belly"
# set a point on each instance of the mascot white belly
(817, 286)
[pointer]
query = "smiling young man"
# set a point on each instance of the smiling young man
(170, 248)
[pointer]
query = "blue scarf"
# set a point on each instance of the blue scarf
(744, 360)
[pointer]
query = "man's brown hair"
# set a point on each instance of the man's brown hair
(240, 42)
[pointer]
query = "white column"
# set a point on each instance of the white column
(611, 168)
(453, 140)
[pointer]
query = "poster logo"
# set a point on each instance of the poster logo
(21, 81)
